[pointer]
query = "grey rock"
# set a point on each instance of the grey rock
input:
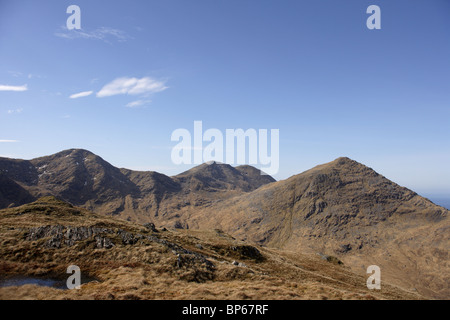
(178, 225)
(104, 242)
(127, 237)
(150, 226)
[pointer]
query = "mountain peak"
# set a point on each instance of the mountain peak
(207, 167)
(344, 160)
(217, 175)
(76, 153)
(343, 166)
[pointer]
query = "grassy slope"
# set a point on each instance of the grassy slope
(172, 264)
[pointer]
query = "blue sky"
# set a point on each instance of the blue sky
(138, 70)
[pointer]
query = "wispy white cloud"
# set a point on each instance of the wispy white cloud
(8, 141)
(15, 74)
(81, 94)
(138, 103)
(13, 88)
(103, 33)
(132, 86)
(32, 75)
(18, 110)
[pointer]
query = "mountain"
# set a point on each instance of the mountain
(124, 260)
(215, 176)
(346, 209)
(342, 208)
(326, 202)
(85, 179)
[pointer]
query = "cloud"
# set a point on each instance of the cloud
(8, 141)
(18, 110)
(138, 103)
(103, 33)
(31, 75)
(81, 94)
(15, 74)
(131, 86)
(13, 88)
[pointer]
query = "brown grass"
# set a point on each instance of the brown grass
(153, 270)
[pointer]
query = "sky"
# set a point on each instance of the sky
(138, 70)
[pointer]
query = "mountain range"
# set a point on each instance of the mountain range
(340, 208)
(84, 179)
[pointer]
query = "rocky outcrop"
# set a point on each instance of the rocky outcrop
(57, 236)
(151, 227)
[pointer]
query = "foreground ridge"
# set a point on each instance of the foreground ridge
(124, 260)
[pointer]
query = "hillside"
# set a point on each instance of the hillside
(123, 260)
(346, 209)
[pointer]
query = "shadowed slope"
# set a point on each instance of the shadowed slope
(12, 194)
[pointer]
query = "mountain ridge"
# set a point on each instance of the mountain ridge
(85, 179)
(342, 208)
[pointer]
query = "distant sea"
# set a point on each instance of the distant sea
(441, 202)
